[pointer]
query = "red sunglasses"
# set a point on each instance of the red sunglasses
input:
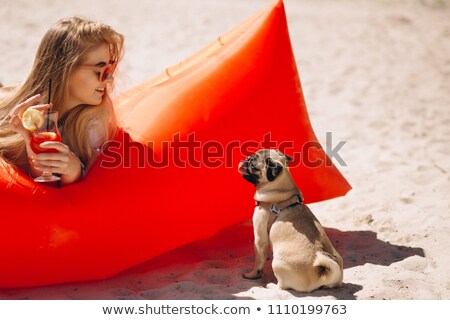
(103, 75)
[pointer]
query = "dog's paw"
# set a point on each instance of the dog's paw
(255, 274)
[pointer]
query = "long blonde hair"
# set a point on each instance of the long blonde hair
(61, 51)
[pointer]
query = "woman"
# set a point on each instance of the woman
(79, 56)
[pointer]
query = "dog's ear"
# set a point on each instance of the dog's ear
(273, 169)
(288, 158)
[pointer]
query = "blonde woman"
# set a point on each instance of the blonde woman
(80, 57)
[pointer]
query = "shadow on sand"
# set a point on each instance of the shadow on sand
(212, 269)
(232, 248)
(360, 247)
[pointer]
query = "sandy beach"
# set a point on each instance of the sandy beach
(376, 74)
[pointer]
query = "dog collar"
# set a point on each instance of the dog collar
(276, 208)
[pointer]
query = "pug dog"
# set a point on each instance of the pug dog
(303, 257)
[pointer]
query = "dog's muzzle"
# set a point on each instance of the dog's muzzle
(244, 169)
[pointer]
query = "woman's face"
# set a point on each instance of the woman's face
(86, 85)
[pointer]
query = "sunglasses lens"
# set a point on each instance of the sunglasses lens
(105, 74)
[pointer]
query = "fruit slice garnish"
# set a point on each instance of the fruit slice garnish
(32, 119)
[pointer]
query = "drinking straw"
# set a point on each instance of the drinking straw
(48, 101)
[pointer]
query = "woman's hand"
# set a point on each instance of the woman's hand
(15, 121)
(64, 162)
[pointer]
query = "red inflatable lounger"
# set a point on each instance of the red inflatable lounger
(170, 176)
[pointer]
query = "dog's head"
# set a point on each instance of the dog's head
(263, 166)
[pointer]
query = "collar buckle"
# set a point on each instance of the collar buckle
(275, 209)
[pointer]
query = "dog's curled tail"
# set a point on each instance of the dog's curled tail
(329, 272)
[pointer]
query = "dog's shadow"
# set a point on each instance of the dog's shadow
(357, 248)
(360, 247)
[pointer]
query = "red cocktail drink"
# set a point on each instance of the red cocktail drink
(39, 137)
(46, 131)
